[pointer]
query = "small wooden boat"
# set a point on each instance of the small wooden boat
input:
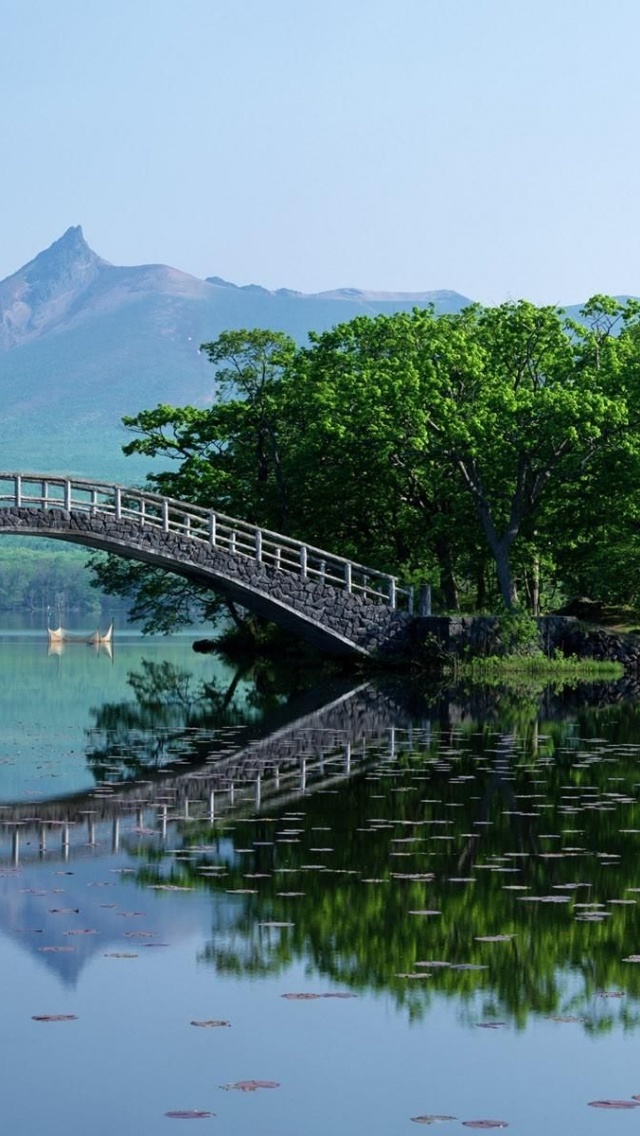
(59, 635)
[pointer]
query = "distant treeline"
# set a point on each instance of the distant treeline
(37, 579)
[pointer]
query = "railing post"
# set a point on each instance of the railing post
(232, 541)
(165, 516)
(143, 512)
(424, 600)
(322, 567)
(94, 502)
(18, 484)
(118, 503)
(67, 496)
(259, 546)
(187, 525)
(392, 593)
(303, 561)
(347, 577)
(43, 499)
(212, 529)
(277, 558)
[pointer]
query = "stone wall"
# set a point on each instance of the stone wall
(480, 635)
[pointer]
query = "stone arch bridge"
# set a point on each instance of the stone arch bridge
(341, 607)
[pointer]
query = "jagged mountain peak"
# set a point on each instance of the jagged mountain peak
(70, 255)
(35, 297)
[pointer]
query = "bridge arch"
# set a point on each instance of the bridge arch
(341, 607)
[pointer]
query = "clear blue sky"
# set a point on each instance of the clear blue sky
(488, 146)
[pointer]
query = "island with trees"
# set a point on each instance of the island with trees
(493, 454)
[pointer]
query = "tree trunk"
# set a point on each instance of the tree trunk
(535, 586)
(447, 578)
(506, 582)
(481, 587)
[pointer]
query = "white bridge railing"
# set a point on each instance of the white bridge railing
(42, 491)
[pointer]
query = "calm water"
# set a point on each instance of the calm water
(393, 909)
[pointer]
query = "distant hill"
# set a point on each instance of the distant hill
(83, 341)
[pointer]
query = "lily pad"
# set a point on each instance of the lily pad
(432, 1119)
(212, 1023)
(251, 1086)
(485, 1124)
(614, 1104)
(54, 1017)
(189, 1114)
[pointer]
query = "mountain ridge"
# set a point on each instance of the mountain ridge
(84, 342)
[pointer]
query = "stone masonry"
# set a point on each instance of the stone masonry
(333, 620)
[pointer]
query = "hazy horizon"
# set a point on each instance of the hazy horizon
(482, 147)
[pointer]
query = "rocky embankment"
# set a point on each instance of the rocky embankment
(465, 637)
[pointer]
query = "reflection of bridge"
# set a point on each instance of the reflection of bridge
(340, 606)
(316, 751)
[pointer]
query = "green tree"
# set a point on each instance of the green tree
(428, 446)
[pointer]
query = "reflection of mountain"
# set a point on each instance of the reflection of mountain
(49, 906)
(496, 859)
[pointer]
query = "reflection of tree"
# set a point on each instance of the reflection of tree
(174, 716)
(473, 802)
(162, 724)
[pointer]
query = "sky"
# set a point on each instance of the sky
(484, 146)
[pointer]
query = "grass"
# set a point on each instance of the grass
(622, 618)
(558, 668)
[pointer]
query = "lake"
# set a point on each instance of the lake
(272, 907)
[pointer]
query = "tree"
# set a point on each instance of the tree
(422, 445)
(225, 457)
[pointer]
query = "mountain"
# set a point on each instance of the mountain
(83, 341)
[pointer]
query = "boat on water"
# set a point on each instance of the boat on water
(60, 635)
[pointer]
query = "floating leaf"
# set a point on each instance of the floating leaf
(54, 1017)
(189, 1114)
(212, 1023)
(435, 1119)
(307, 997)
(615, 1104)
(564, 1018)
(485, 1124)
(493, 938)
(251, 1086)
(301, 997)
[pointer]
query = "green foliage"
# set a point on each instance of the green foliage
(162, 602)
(519, 634)
(494, 453)
(531, 673)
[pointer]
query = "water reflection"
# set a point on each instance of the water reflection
(391, 846)
(57, 647)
